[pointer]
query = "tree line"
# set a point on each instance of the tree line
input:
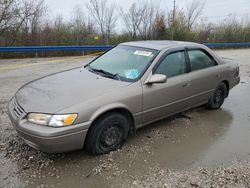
(28, 23)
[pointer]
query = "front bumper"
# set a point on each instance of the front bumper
(50, 139)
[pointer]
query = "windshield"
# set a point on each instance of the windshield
(126, 63)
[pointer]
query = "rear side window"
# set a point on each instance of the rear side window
(173, 65)
(200, 60)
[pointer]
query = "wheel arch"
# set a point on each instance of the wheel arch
(111, 109)
(105, 111)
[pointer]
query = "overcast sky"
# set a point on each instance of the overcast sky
(215, 10)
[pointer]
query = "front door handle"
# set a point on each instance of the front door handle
(186, 84)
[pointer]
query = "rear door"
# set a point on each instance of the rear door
(204, 76)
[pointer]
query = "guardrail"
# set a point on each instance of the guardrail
(98, 48)
(228, 45)
(54, 48)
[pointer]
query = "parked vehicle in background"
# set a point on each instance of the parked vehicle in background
(134, 84)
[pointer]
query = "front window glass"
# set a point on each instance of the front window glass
(173, 65)
(125, 62)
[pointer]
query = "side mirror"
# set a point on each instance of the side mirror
(157, 79)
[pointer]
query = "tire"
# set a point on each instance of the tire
(107, 134)
(216, 101)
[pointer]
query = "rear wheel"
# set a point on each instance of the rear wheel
(218, 97)
(107, 134)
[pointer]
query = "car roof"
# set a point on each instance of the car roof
(160, 44)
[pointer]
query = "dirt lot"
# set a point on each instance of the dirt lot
(198, 148)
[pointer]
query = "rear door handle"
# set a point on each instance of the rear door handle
(186, 84)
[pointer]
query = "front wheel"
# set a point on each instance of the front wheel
(107, 134)
(216, 101)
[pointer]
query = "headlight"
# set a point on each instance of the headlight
(52, 120)
(42, 119)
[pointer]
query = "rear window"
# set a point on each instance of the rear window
(200, 60)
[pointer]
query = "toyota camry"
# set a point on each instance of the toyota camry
(96, 107)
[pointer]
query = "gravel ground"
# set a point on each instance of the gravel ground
(198, 148)
(234, 175)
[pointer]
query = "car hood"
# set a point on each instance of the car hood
(56, 92)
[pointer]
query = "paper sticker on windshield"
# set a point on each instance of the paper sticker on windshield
(132, 73)
(143, 53)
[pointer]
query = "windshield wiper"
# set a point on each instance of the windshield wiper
(105, 73)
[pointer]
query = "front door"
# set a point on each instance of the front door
(163, 99)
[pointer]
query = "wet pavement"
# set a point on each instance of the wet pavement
(195, 139)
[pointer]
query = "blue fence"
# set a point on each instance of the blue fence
(54, 48)
(228, 45)
(99, 48)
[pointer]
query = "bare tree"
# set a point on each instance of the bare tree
(160, 27)
(11, 15)
(33, 14)
(61, 30)
(78, 24)
(140, 19)
(194, 10)
(104, 15)
(132, 19)
(205, 32)
(19, 14)
(149, 15)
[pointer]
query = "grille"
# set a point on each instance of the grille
(17, 109)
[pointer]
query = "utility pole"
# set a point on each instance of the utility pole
(173, 24)
(174, 9)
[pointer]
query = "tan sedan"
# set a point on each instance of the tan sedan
(134, 84)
